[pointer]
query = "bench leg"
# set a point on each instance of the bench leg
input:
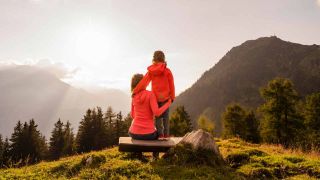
(155, 155)
(138, 155)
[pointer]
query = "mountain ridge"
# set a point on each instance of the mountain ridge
(30, 92)
(244, 69)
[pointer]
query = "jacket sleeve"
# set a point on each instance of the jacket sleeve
(132, 111)
(142, 85)
(154, 105)
(171, 85)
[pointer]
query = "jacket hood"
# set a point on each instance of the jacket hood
(157, 68)
(140, 97)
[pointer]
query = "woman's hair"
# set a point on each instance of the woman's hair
(158, 56)
(135, 80)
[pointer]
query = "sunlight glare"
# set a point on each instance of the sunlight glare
(92, 43)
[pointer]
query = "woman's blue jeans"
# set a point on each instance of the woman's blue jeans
(151, 136)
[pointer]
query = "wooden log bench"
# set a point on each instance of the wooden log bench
(127, 144)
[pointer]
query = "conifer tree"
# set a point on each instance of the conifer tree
(312, 121)
(69, 147)
(17, 144)
(234, 121)
(180, 122)
(205, 124)
(126, 125)
(122, 125)
(28, 145)
(281, 122)
(6, 154)
(93, 133)
(100, 134)
(84, 137)
(1, 151)
(118, 125)
(57, 141)
(37, 145)
(110, 118)
(238, 122)
(251, 127)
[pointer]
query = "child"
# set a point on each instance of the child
(162, 86)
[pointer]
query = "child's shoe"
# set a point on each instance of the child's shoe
(166, 137)
(161, 137)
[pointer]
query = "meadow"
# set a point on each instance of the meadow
(243, 161)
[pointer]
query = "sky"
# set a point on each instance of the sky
(101, 44)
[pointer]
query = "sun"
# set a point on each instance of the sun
(91, 42)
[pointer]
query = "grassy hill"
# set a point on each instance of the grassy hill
(244, 161)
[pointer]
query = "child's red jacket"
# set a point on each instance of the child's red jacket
(161, 81)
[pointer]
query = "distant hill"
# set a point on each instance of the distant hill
(238, 76)
(28, 92)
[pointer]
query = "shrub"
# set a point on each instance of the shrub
(237, 159)
(184, 154)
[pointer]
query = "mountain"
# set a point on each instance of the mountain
(238, 76)
(29, 92)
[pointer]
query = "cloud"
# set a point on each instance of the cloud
(7, 64)
(60, 70)
(318, 2)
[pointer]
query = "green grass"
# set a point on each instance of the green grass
(269, 161)
(244, 161)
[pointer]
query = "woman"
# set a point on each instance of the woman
(144, 108)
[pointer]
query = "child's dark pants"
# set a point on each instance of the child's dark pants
(162, 122)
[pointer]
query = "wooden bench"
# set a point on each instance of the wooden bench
(127, 144)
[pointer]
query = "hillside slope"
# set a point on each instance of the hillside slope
(248, 161)
(28, 92)
(238, 76)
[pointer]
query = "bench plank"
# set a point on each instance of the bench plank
(127, 144)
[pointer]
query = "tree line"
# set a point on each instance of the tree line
(97, 130)
(284, 118)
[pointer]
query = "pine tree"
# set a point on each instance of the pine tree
(110, 118)
(93, 132)
(37, 144)
(84, 137)
(100, 134)
(1, 151)
(180, 122)
(69, 147)
(28, 145)
(281, 122)
(251, 128)
(126, 125)
(205, 124)
(312, 121)
(57, 141)
(238, 122)
(17, 142)
(6, 154)
(234, 121)
(118, 125)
